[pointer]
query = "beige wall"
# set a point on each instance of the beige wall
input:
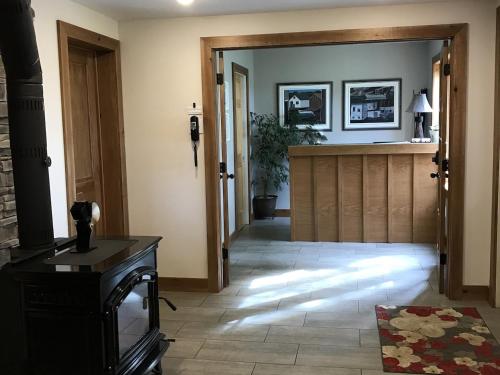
(161, 76)
(47, 13)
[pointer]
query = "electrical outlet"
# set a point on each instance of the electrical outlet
(195, 111)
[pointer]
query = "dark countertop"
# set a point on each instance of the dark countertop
(110, 252)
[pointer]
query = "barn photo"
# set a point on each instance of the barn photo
(372, 104)
(309, 104)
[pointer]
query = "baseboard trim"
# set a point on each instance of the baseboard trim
(181, 284)
(282, 212)
(475, 292)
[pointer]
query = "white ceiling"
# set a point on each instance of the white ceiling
(137, 9)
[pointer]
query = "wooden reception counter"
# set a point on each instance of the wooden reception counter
(363, 193)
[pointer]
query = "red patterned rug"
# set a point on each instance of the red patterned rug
(436, 340)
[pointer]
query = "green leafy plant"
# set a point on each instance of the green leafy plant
(270, 143)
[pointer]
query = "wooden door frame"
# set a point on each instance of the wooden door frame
(458, 102)
(111, 112)
(239, 69)
(496, 165)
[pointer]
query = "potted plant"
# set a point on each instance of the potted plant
(270, 143)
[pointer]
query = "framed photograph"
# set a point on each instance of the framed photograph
(372, 104)
(310, 102)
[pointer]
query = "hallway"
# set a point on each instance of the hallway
(300, 308)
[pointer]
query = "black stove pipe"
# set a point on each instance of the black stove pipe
(28, 139)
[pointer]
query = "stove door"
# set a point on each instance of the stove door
(134, 316)
(133, 319)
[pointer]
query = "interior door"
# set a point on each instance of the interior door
(442, 161)
(241, 145)
(226, 240)
(85, 128)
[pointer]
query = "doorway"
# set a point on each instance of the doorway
(458, 36)
(93, 125)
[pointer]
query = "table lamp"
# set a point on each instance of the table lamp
(418, 106)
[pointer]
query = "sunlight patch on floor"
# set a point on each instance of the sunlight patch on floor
(290, 276)
(387, 263)
(307, 281)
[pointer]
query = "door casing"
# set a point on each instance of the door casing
(496, 164)
(109, 83)
(458, 33)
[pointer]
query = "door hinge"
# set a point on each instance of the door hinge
(220, 78)
(225, 253)
(443, 259)
(222, 167)
(447, 70)
(445, 165)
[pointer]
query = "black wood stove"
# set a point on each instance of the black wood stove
(64, 311)
(83, 313)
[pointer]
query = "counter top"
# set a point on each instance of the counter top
(363, 149)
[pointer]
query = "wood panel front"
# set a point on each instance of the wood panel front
(401, 198)
(326, 198)
(375, 205)
(351, 185)
(373, 196)
(303, 204)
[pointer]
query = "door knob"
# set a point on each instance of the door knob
(231, 176)
(435, 175)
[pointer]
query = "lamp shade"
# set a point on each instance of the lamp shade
(419, 104)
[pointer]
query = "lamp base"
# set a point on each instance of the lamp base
(419, 129)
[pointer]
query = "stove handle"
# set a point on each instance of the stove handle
(170, 304)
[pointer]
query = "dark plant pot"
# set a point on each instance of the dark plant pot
(264, 206)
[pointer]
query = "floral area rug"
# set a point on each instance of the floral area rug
(436, 340)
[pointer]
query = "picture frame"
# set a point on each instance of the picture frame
(311, 100)
(372, 104)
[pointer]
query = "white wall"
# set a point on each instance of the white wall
(245, 59)
(407, 61)
(162, 76)
(47, 13)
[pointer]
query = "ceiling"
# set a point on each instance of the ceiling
(138, 9)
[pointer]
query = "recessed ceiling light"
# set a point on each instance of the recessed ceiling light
(185, 2)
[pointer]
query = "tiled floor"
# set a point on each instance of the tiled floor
(300, 308)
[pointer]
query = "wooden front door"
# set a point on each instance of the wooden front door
(442, 161)
(224, 209)
(85, 128)
(241, 145)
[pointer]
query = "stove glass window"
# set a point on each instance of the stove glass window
(133, 318)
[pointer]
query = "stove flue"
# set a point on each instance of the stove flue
(28, 139)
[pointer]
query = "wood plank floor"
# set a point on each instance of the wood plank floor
(300, 308)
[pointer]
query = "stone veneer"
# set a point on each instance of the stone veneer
(8, 218)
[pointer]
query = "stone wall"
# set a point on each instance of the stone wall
(8, 219)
